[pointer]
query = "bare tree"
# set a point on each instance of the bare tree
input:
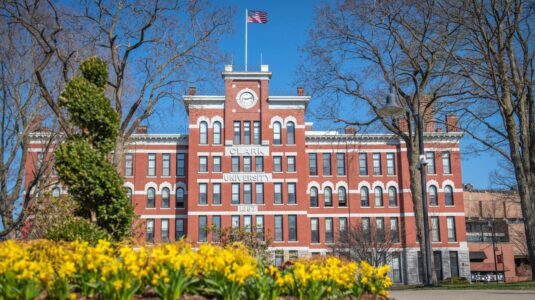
(497, 59)
(20, 113)
(357, 49)
(361, 243)
(154, 48)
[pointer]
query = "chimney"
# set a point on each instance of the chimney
(350, 130)
(141, 129)
(308, 126)
(192, 91)
(228, 68)
(402, 124)
(300, 91)
(452, 123)
(36, 123)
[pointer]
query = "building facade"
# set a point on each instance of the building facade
(251, 160)
(495, 235)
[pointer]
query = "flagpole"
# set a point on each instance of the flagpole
(246, 40)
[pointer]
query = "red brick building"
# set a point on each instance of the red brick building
(495, 229)
(251, 160)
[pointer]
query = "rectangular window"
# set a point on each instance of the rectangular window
(248, 223)
(259, 193)
(129, 165)
(180, 164)
(216, 167)
(435, 229)
(291, 193)
(277, 163)
(452, 235)
(277, 187)
(152, 165)
(326, 164)
(446, 162)
(203, 163)
(377, 164)
(150, 230)
(454, 263)
(257, 133)
(292, 228)
(203, 190)
(202, 228)
(329, 233)
(166, 164)
(247, 133)
(260, 227)
(180, 230)
(235, 222)
(343, 225)
(279, 257)
(380, 229)
(390, 164)
(216, 232)
(164, 230)
(314, 230)
(396, 267)
(341, 164)
(363, 164)
(235, 193)
(430, 157)
(247, 164)
(235, 164)
(259, 164)
(247, 193)
(237, 133)
(291, 163)
(216, 193)
(394, 229)
(278, 228)
(365, 225)
(312, 164)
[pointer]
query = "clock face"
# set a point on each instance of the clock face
(247, 99)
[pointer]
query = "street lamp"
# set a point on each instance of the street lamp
(393, 108)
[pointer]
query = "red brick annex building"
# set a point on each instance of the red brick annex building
(250, 159)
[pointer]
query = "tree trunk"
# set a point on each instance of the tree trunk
(416, 191)
(118, 154)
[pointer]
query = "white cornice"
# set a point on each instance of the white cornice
(204, 101)
(328, 137)
(246, 75)
(175, 139)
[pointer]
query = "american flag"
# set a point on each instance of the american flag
(256, 16)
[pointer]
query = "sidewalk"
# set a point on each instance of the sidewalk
(425, 294)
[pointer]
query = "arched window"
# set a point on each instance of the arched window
(328, 194)
(217, 133)
(314, 197)
(56, 192)
(151, 195)
(179, 197)
(364, 197)
(448, 195)
(129, 193)
(203, 133)
(433, 200)
(342, 197)
(277, 133)
(378, 196)
(392, 197)
(166, 194)
(290, 133)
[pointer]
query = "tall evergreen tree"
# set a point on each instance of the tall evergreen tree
(82, 162)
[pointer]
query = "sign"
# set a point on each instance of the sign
(247, 177)
(248, 208)
(246, 150)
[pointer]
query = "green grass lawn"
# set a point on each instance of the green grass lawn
(524, 285)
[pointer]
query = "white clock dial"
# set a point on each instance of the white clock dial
(247, 98)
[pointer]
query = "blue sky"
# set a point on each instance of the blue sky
(279, 42)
